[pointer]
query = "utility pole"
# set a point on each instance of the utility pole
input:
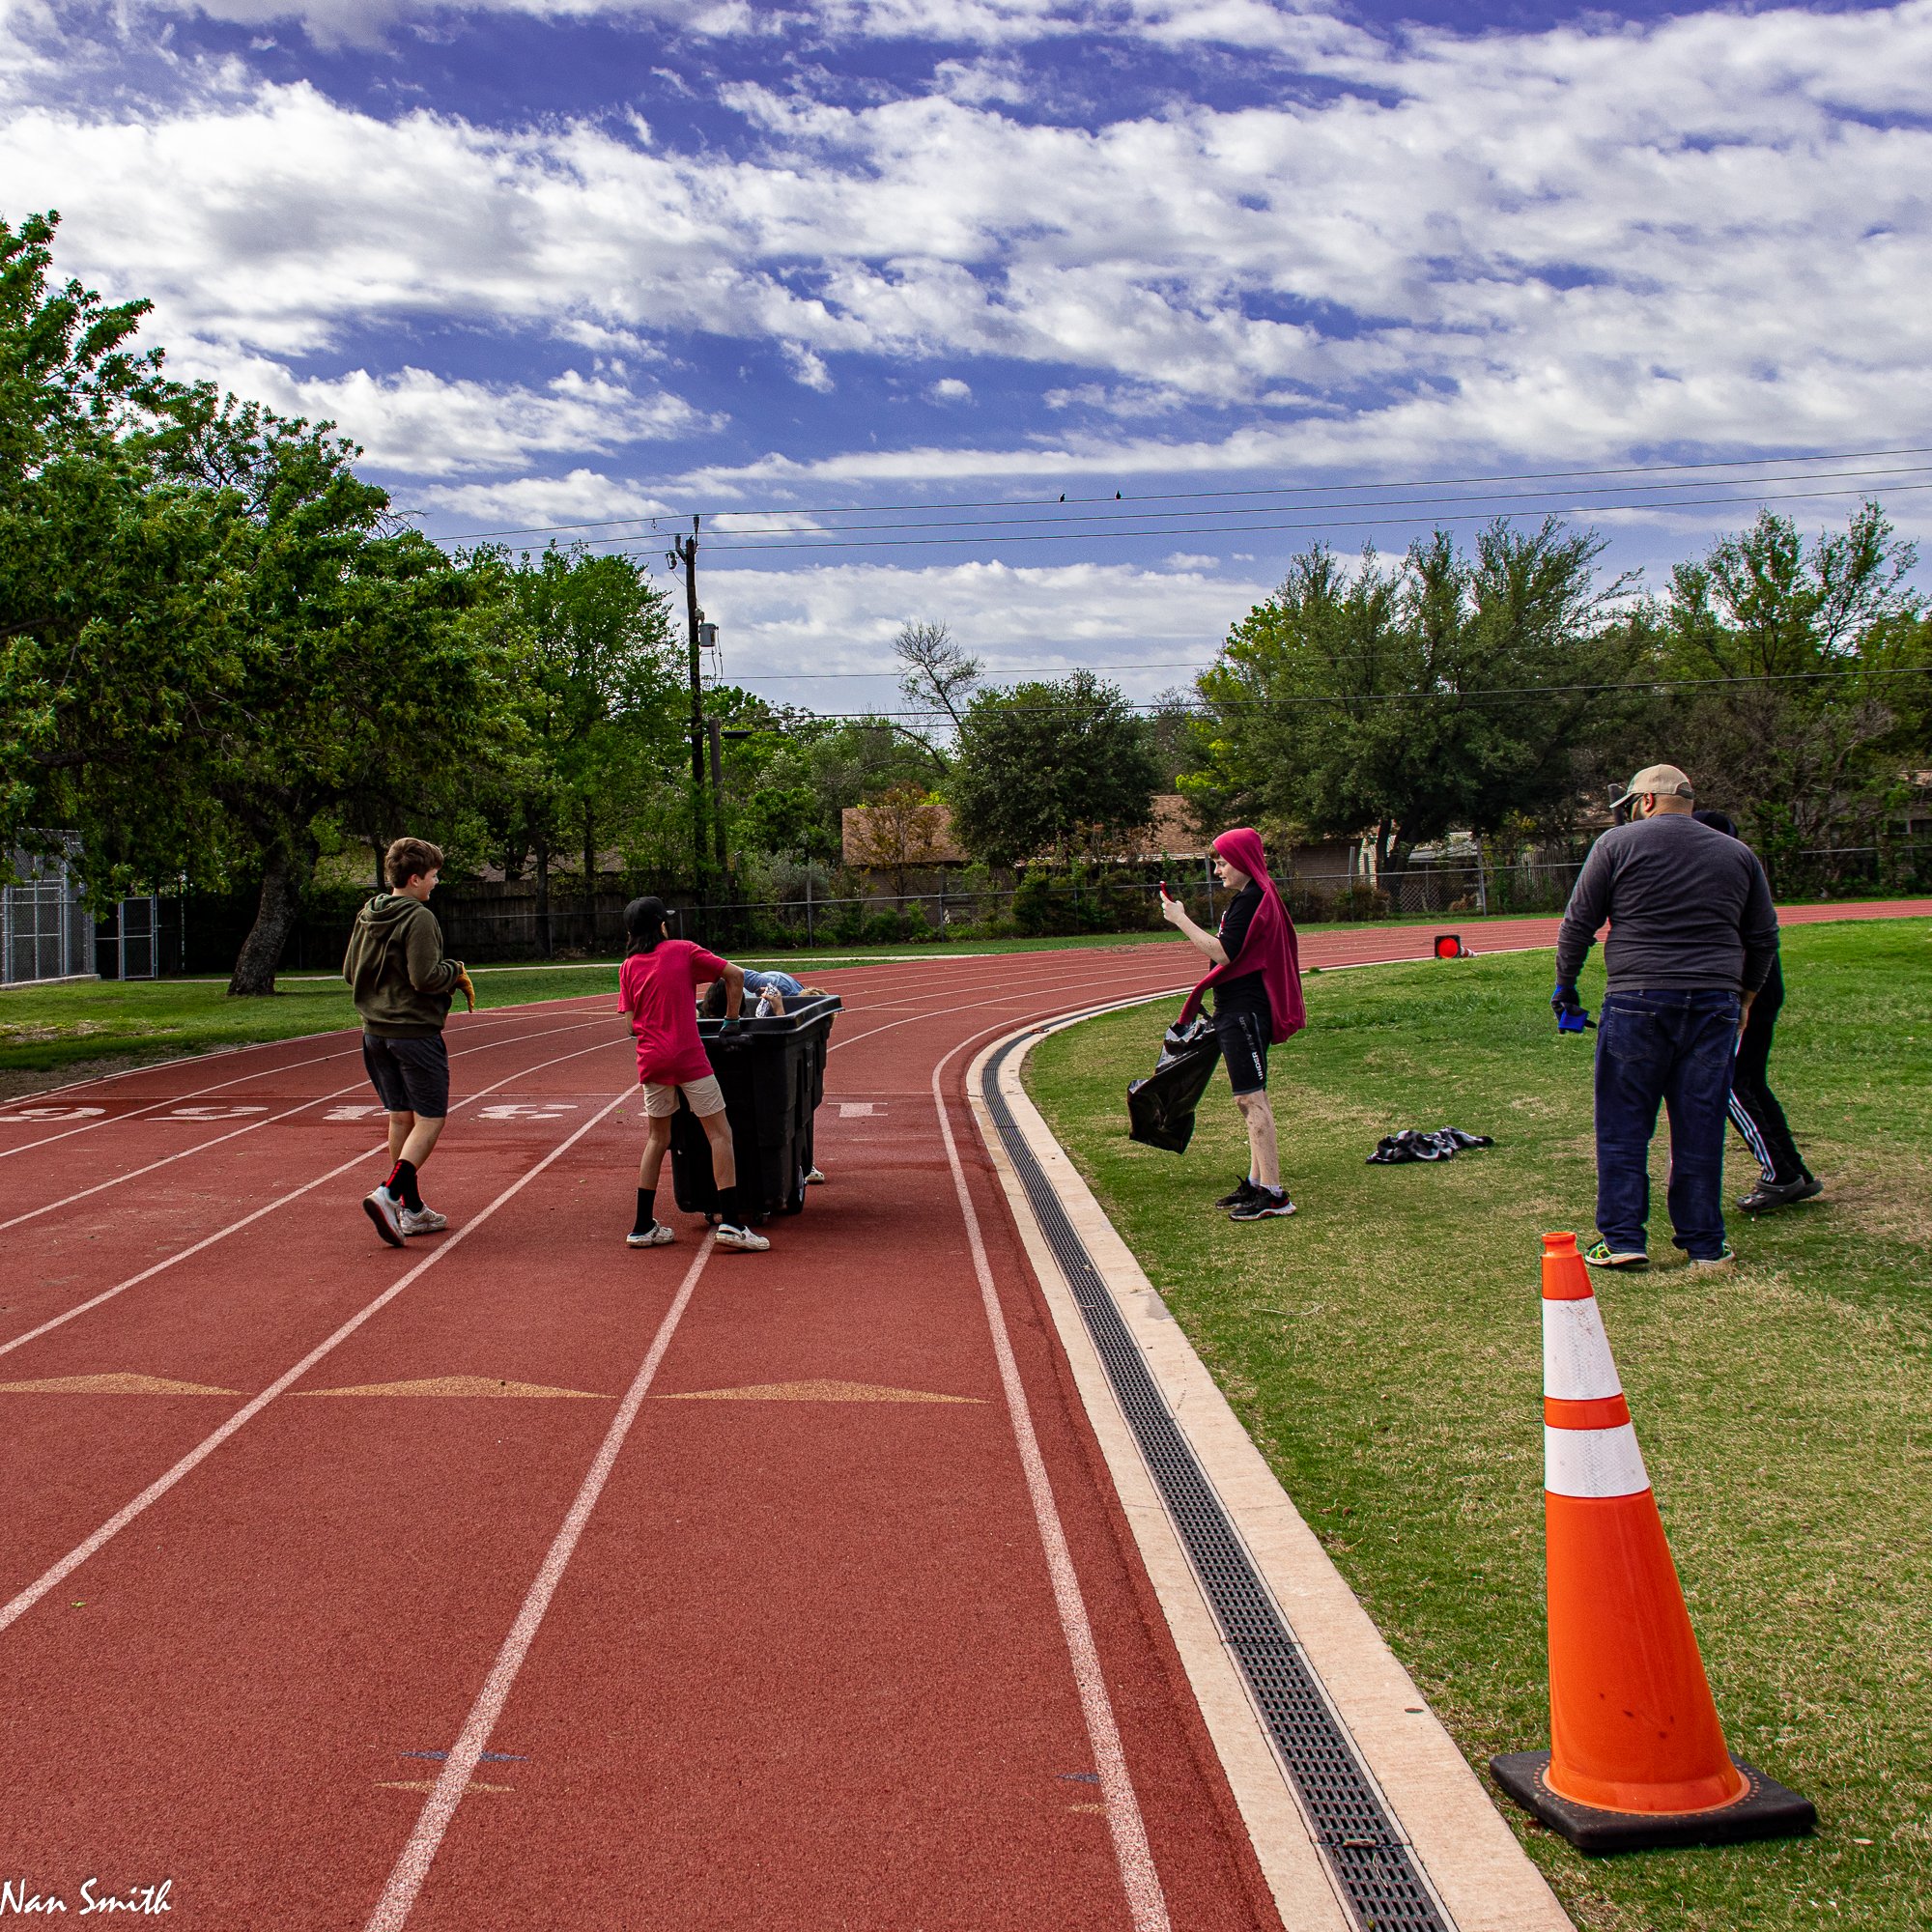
(684, 551)
(715, 731)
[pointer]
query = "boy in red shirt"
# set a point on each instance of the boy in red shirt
(657, 991)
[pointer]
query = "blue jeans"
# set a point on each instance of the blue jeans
(1677, 1046)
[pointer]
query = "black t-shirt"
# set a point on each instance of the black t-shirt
(1247, 993)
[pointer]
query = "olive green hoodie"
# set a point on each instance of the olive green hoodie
(396, 971)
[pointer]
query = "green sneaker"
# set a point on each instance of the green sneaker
(1717, 1261)
(1603, 1256)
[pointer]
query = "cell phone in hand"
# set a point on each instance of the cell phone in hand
(1166, 890)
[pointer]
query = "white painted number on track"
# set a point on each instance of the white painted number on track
(211, 1113)
(53, 1114)
(364, 1111)
(528, 1110)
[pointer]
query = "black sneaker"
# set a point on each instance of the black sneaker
(1240, 1194)
(1768, 1194)
(1265, 1204)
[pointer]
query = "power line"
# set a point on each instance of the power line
(1266, 490)
(1442, 697)
(834, 542)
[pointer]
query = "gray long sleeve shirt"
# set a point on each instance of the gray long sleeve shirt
(1688, 907)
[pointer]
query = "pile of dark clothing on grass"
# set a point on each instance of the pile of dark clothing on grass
(1411, 1144)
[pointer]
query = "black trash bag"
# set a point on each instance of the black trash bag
(1160, 1109)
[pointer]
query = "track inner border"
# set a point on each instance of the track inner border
(1372, 1864)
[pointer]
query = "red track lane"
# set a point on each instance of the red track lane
(805, 1666)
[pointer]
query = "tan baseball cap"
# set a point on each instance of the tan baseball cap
(1663, 780)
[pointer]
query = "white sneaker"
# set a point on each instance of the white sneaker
(422, 1221)
(656, 1236)
(814, 1178)
(745, 1239)
(387, 1212)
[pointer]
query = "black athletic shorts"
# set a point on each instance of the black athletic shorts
(410, 1076)
(1243, 1034)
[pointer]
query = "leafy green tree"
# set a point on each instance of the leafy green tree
(1816, 716)
(1047, 762)
(1445, 691)
(595, 695)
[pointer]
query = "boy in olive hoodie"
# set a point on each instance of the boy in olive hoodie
(402, 984)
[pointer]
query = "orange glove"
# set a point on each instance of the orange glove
(468, 989)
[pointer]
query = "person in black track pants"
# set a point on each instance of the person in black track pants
(1755, 1110)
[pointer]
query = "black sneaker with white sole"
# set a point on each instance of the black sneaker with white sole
(1244, 1189)
(1265, 1204)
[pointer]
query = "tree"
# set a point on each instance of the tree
(1446, 691)
(903, 829)
(595, 695)
(1044, 763)
(1817, 711)
(937, 675)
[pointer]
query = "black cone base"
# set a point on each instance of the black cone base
(1766, 1811)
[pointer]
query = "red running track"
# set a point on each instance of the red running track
(607, 1657)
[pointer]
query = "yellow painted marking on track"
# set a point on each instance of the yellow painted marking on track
(465, 1385)
(119, 1384)
(814, 1392)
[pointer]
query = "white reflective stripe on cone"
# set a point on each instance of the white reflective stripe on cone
(1593, 1462)
(1576, 1361)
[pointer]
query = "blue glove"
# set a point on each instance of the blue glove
(730, 1023)
(1572, 1014)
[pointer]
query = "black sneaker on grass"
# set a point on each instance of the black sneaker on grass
(1244, 1190)
(1265, 1204)
(1770, 1194)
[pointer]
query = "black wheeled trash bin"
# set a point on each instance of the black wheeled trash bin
(772, 1072)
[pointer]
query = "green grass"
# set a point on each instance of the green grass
(1382, 1350)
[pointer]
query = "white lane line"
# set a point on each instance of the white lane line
(283, 1201)
(51, 1578)
(254, 1126)
(490, 1016)
(411, 1867)
(1146, 1903)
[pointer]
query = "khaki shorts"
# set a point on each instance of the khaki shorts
(704, 1095)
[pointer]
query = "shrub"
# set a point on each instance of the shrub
(1359, 902)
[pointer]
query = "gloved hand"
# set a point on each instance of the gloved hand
(466, 987)
(730, 1023)
(1572, 1014)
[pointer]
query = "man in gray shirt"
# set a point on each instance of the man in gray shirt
(1692, 935)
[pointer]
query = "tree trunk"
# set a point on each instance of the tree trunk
(283, 877)
(543, 895)
(589, 859)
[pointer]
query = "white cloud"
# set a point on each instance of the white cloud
(584, 497)
(842, 619)
(422, 424)
(1703, 230)
(951, 389)
(808, 367)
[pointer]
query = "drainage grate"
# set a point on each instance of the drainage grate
(1371, 1861)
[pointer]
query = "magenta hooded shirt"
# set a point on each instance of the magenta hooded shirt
(1269, 947)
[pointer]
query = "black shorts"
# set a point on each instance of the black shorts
(1243, 1034)
(410, 1076)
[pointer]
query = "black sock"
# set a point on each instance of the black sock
(727, 1206)
(647, 1218)
(402, 1185)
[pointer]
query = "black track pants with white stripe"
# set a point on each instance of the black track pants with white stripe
(1755, 1112)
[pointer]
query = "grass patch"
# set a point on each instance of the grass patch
(1382, 1350)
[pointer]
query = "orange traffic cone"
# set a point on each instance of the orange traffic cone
(1636, 1755)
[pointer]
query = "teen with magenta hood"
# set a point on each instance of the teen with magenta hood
(1257, 980)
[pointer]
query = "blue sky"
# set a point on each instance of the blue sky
(559, 262)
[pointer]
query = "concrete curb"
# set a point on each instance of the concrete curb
(1482, 1879)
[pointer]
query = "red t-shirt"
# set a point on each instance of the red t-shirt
(657, 989)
